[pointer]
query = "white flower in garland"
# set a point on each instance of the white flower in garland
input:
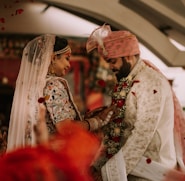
(122, 93)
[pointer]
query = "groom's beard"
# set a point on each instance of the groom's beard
(124, 70)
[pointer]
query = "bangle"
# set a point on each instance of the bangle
(100, 121)
(93, 124)
(88, 124)
(96, 122)
(106, 120)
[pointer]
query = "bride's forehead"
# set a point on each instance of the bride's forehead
(68, 53)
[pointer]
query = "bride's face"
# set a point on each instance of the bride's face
(61, 64)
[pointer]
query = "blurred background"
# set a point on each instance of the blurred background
(159, 26)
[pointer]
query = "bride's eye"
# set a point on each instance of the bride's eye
(68, 58)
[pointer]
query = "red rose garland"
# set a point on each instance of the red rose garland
(113, 133)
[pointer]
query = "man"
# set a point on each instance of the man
(145, 141)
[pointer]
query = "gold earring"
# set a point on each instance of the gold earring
(52, 70)
(53, 63)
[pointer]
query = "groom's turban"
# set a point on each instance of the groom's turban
(113, 44)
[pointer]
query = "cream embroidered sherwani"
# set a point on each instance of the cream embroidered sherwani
(149, 108)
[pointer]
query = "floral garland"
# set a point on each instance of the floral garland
(113, 132)
(116, 132)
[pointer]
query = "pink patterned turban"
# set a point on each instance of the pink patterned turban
(113, 44)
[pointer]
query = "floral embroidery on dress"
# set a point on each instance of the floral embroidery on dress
(58, 103)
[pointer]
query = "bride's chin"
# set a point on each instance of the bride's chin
(63, 73)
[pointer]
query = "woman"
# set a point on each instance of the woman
(45, 60)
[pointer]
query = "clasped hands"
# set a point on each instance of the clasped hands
(100, 117)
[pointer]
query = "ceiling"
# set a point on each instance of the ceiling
(152, 21)
(167, 15)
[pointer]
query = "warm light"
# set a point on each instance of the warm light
(4, 80)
